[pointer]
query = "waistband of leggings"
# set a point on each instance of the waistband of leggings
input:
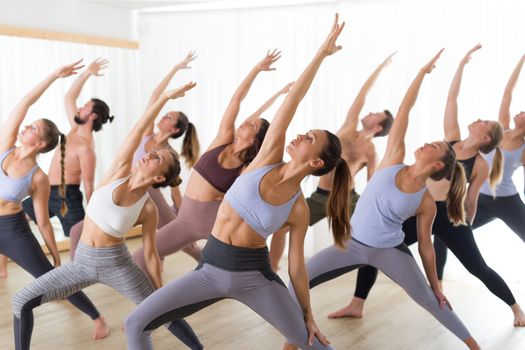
(232, 258)
(93, 255)
(68, 187)
(13, 217)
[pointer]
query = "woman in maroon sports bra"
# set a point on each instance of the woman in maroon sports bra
(216, 170)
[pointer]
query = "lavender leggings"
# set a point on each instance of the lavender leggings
(226, 271)
(397, 263)
(194, 221)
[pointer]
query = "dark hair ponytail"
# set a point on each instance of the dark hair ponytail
(338, 207)
(190, 146)
(101, 109)
(456, 195)
(172, 175)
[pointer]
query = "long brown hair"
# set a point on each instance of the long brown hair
(338, 207)
(190, 143)
(496, 171)
(457, 192)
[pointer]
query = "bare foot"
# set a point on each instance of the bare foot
(519, 316)
(101, 330)
(354, 309)
(288, 346)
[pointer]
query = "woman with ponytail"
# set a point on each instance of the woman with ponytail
(120, 202)
(504, 202)
(394, 192)
(20, 176)
(235, 262)
(228, 155)
(452, 225)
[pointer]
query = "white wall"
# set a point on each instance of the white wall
(71, 16)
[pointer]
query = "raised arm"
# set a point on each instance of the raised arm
(9, 130)
(271, 101)
(395, 149)
(227, 127)
(451, 124)
(504, 109)
(273, 145)
(352, 117)
(124, 156)
(70, 99)
(161, 87)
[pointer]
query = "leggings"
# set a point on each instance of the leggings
(194, 221)
(226, 271)
(397, 263)
(166, 215)
(18, 243)
(460, 241)
(510, 209)
(112, 266)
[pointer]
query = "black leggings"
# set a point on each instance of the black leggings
(460, 241)
(509, 209)
(18, 243)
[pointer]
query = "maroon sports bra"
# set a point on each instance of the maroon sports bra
(209, 168)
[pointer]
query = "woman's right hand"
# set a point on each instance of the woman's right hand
(313, 331)
(95, 67)
(427, 68)
(468, 56)
(68, 70)
(180, 92)
(443, 301)
(268, 60)
(329, 46)
(184, 63)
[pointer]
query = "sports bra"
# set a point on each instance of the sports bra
(245, 198)
(14, 189)
(209, 168)
(113, 219)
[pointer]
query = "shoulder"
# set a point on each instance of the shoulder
(300, 211)
(427, 205)
(149, 212)
(481, 166)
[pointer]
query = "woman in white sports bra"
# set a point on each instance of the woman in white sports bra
(119, 203)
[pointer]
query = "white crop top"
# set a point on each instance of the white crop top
(111, 218)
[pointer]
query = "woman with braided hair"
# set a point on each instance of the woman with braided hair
(20, 176)
(115, 207)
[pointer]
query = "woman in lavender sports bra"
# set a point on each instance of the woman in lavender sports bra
(235, 262)
(395, 192)
(119, 202)
(505, 203)
(172, 125)
(215, 171)
(20, 177)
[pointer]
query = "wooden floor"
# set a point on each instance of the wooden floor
(392, 320)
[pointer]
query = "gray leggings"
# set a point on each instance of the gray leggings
(194, 221)
(397, 263)
(226, 271)
(111, 266)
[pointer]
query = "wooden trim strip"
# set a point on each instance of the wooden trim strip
(70, 37)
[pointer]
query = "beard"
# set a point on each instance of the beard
(80, 121)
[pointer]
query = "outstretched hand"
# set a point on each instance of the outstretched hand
(180, 92)
(268, 60)
(69, 69)
(388, 60)
(329, 46)
(468, 56)
(427, 68)
(95, 67)
(443, 301)
(184, 64)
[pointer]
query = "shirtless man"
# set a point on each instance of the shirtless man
(358, 152)
(80, 157)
